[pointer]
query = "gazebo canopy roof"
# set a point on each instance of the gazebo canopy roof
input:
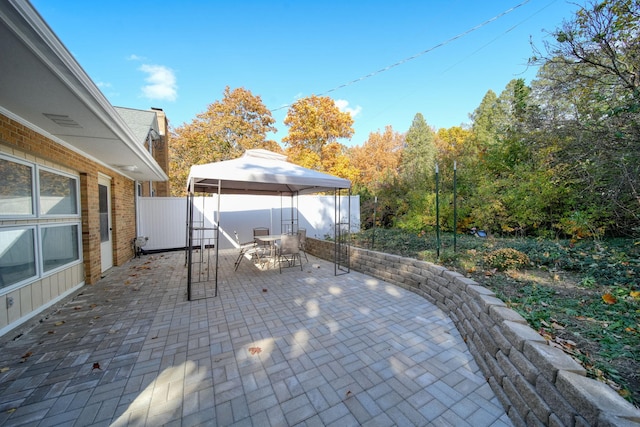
(260, 172)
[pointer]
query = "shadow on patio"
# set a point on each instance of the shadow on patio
(297, 348)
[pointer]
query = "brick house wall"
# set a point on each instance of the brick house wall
(21, 142)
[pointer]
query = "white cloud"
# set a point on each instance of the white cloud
(134, 57)
(103, 85)
(343, 105)
(161, 83)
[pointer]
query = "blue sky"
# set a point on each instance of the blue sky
(180, 55)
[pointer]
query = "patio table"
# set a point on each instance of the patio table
(271, 240)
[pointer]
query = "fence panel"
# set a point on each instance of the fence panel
(163, 219)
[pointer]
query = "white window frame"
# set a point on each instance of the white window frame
(77, 195)
(36, 249)
(34, 196)
(39, 222)
(40, 242)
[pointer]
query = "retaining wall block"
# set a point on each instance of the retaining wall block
(463, 282)
(451, 277)
(500, 313)
(468, 314)
(451, 307)
(507, 366)
(487, 322)
(532, 421)
(494, 367)
(441, 281)
(554, 421)
(477, 290)
(467, 328)
(474, 306)
(457, 299)
(426, 274)
(390, 258)
(486, 301)
(413, 269)
(556, 401)
(517, 401)
(518, 334)
(503, 343)
(581, 422)
(610, 420)
(528, 370)
(489, 343)
(550, 360)
(537, 405)
(436, 295)
(436, 270)
(592, 398)
(500, 394)
(477, 340)
(444, 290)
(515, 418)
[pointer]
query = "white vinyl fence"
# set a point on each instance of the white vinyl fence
(164, 219)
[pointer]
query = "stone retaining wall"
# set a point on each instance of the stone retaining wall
(536, 383)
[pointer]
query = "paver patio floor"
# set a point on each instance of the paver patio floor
(298, 348)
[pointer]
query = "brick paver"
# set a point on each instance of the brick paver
(297, 348)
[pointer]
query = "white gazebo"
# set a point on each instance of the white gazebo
(263, 172)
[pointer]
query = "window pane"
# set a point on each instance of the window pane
(17, 256)
(57, 194)
(59, 246)
(16, 196)
(104, 212)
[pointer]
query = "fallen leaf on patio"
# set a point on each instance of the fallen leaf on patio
(127, 282)
(264, 290)
(59, 323)
(609, 299)
(96, 365)
(255, 350)
(77, 307)
(93, 305)
(27, 355)
(349, 393)
(11, 410)
(5, 369)
(51, 332)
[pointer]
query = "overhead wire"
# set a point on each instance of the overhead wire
(417, 55)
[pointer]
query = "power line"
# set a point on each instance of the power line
(417, 55)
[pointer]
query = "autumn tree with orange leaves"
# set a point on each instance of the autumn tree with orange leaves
(378, 159)
(315, 126)
(240, 121)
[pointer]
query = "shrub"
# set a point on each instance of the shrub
(506, 259)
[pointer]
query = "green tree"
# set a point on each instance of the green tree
(594, 64)
(417, 164)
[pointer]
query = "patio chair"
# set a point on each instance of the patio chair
(289, 250)
(302, 237)
(247, 248)
(261, 231)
